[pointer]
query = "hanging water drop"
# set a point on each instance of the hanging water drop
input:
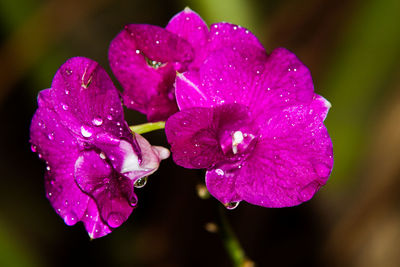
(232, 205)
(33, 148)
(141, 182)
(133, 201)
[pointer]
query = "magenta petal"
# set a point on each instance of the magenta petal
(227, 76)
(286, 79)
(200, 137)
(54, 144)
(148, 89)
(94, 225)
(86, 100)
(190, 26)
(221, 182)
(252, 79)
(291, 162)
(112, 192)
(224, 35)
(92, 158)
(192, 138)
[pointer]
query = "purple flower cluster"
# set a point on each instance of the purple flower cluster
(251, 119)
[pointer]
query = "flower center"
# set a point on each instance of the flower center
(237, 139)
(236, 142)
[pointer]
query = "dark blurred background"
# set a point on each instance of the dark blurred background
(352, 48)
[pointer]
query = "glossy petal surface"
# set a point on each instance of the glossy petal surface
(189, 26)
(145, 58)
(112, 192)
(278, 153)
(291, 161)
(92, 158)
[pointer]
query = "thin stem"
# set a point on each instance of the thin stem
(147, 127)
(231, 242)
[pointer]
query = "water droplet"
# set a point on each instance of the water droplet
(69, 219)
(66, 91)
(137, 51)
(68, 71)
(33, 148)
(133, 200)
(50, 136)
(102, 155)
(86, 132)
(50, 194)
(232, 205)
(219, 172)
(115, 219)
(64, 106)
(48, 168)
(97, 121)
(141, 182)
(109, 117)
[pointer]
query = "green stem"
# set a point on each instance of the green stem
(231, 243)
(148, 127)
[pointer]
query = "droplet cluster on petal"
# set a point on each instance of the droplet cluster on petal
(253, 121)
(93, 160)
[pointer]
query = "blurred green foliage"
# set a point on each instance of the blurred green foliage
(362, 69)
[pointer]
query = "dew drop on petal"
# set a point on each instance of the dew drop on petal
(86, 132)
(219, 172)
(231, 205)
(50, 136)
(97, 121)
(102, 155)
(64, 106)
(141, 182)
(48, 168)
